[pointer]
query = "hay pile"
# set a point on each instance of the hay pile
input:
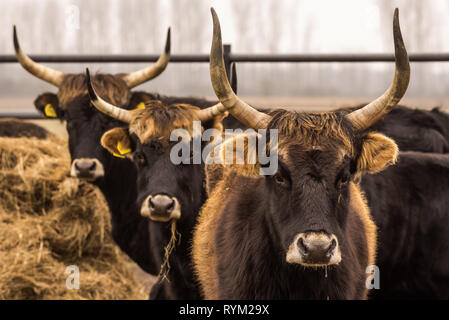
(49, 221)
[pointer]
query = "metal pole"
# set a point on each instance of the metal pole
(227, 60)
(187, 58)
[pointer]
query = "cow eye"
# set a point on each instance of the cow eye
(279, 179)
(343, 179)
(140, 158)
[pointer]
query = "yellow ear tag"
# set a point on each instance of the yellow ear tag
(141, 106)
(117, 155)
(122, 149)
(49, 111)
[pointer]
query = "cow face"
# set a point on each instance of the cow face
(85, 125)
(320, 155)
(319, 159)
(166, 190)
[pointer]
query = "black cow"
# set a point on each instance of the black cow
(415, 129)
(115, 177)
(270, 237)
(410, 206)
(166, 191)
(85, 126)
(14, 128)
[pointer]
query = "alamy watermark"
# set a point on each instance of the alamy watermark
(72, 282)
(72, 14)
(373, 278)
(248, 147)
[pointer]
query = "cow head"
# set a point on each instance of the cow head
(321, 156)
(86, 125)
(165, 189)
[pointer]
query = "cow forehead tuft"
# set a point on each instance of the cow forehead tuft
(111, 88)
(157, 121)
(312, 130)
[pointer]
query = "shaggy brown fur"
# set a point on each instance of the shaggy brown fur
(312, 129)
(360, 205)
(110, 87)
(204, 246)
(377, 151)
(156, 122)
(159, 120)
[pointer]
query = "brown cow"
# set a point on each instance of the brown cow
(304, 232)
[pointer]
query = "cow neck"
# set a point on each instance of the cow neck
(129, 228)
(181, 268)
(120, 190)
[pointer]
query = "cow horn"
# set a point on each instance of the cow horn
(47, 74)
(365, 117)
(215, 110)
(211, 112)
(229, 100)
(143, 75)
(105, 107)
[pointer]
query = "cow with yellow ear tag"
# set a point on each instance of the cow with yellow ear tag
(113, 173)
(169, 194)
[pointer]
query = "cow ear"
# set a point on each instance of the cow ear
(48, 104)
(377, 153)
(138, 100)
(237, 153)
(117, 142)
(218, 121)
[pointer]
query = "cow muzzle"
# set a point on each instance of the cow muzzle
(161, 208)
(86, 168)
(314, 249)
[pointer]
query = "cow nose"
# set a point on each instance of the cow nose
(86, 168)
(85, 165)
(161, 207)
(317, 249)
(314, 249)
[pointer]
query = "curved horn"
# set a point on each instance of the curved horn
(229, 100)
(47, 74)
(105, 107)
(143, 75)
(211, 112)
(365, 117)
(217, 109)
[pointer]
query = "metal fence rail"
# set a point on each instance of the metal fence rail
(236, 58)
(228, 56)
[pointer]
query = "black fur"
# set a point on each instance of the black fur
(415, 129)
(252, 235)
(14, 128)
(409, 204)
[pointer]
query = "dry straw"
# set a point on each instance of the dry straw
(175, 239)
(49, 221)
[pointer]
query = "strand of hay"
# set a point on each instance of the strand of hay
(49, 221)
(165, 266)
